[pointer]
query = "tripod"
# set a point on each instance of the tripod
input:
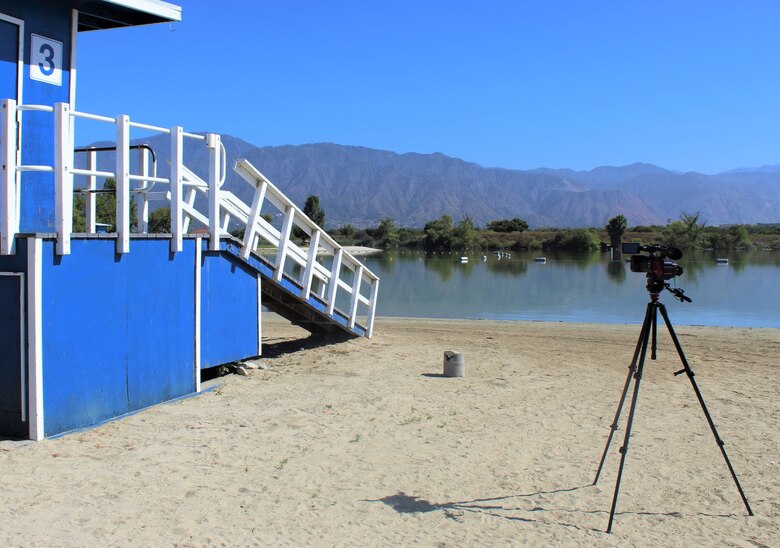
(655, 286)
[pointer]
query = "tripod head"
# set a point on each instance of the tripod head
(656, 285)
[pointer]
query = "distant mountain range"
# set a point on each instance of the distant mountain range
(359, 186)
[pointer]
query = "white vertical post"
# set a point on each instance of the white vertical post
(353, 304)
(213, 141)
(122, 183)
(311, 262)
(284, 242)
(142, 211)
(372, 308)
(34, 337)
(198, 243)
(259, 314)
(177, 187)
(9, 221)
(63, 178)
(91, 199)
(251, 224)
(335, 276)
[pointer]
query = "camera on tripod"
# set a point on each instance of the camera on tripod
(659, 264)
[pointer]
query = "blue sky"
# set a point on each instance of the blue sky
(686, 85)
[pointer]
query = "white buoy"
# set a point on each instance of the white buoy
(540, 260)
(722, 261)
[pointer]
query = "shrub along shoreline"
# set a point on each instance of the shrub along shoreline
(688, 233)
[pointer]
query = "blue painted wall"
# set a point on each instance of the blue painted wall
(229, 310)
(11, 380)
(118, 331)
(55, 22)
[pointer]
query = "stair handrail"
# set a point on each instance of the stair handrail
(293, 215)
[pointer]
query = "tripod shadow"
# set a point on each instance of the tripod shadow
(503, 508)
(492, 506)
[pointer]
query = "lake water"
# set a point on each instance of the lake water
(576, 287)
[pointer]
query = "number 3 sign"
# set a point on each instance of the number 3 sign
(46, 60)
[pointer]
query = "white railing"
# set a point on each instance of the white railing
(223, 207)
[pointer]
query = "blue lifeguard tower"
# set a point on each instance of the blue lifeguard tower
(97, 324)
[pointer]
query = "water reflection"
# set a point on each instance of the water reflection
(507, 267)
(588, 287)
(616, 270)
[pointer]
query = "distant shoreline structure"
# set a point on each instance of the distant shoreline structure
(357, 250)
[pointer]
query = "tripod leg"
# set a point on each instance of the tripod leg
(651, 311)
(631, 371)
(688, 371)
(653, 353)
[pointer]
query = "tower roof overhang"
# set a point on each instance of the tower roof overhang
(108, 14)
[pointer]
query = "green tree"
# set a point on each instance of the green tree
(685, 233)
(313, 210)
(439, 233)
(345, 234)
(160, 220)
(465, 235)
(739, 236)
(675, 235)
(616, 227)
(693, 228)
(105, 208)
(386, 234)
(576, 239)
(507, 225)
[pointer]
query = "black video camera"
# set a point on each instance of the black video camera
(659, 264)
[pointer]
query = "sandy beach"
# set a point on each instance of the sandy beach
(365, 443)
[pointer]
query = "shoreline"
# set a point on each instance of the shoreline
(365, 442)
(636, 324)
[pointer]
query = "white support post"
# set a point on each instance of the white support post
(91, 199)
(284, 242)
(198, 311)
(251, 224)
(225, 222)
(142, 211)
(122, 183)
(215, 164)
(9, 221)
(35, 337)
(63, 178)
(259, 314)
(353, 305)
(335, 276)
(311, 262)
(372, 308)
(177, 187)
